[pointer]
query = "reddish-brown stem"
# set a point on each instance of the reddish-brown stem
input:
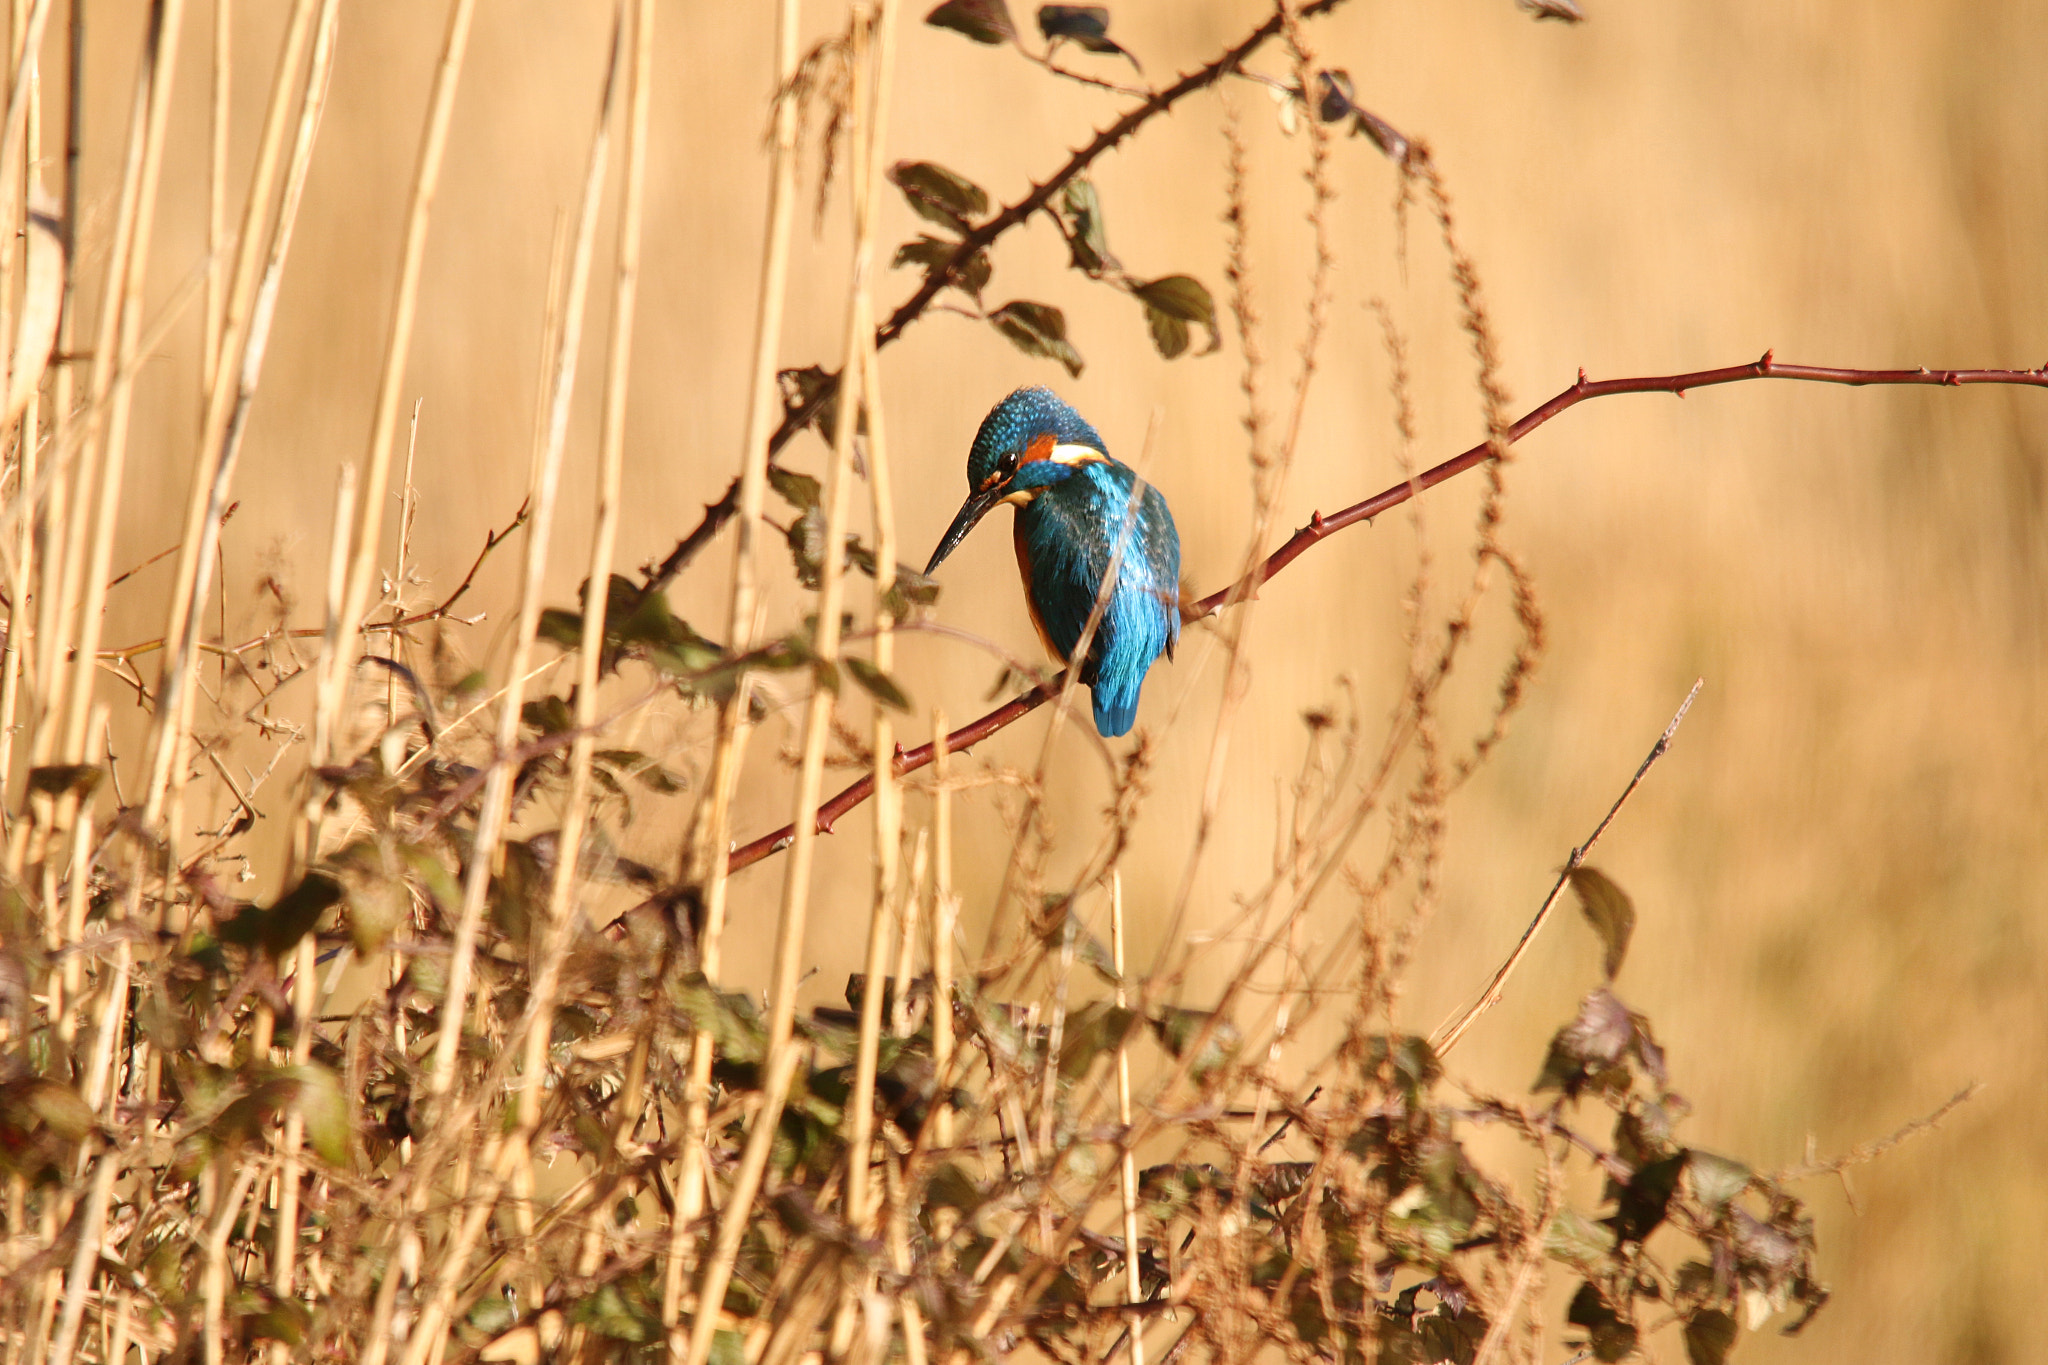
(1320, 526)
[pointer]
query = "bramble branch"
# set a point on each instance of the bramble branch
(1320, 527)
(802, 414)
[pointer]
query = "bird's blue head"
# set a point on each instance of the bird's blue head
(1027, 442)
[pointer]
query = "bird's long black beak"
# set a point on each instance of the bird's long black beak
(978, 505)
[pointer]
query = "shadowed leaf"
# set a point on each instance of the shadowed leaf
(876, 683)
(1566, 10)
(1709, 1336)
(64, 779)
(935, 253)
(1180, 1029)
(1093, 1030)
(939, 195)
(1181, 299)
(800, 491)
(1334, 95)
(806, 540)
(1608, 909)
(1080, 216)
(277, 929)
(1646, 1198)
(1610, 1337)
(1086, 26)
(985, 21)
(1038, 329)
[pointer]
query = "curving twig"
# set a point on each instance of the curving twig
(1320, 527)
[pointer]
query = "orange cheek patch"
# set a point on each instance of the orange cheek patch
(1040, 448)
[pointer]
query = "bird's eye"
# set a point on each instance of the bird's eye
(1009, 461)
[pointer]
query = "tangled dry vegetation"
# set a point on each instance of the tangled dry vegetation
(470, 1087)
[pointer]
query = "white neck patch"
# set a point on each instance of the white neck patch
(1076, 454)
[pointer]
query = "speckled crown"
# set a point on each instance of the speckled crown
(1012, 424)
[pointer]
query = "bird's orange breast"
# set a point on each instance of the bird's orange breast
(1031, 598)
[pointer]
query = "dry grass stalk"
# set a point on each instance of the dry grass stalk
(869, 134)
(706, 851)
(234, 357)
(398, 347)
(90, 538)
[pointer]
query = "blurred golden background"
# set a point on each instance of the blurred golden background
(1839, 867)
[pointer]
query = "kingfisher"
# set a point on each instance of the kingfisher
(1076, 510)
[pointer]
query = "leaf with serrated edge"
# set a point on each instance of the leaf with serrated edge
(1038, 329)
(939, 195)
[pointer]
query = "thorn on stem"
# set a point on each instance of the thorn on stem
(1765, 364)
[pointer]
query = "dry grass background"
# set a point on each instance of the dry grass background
(1841, 865)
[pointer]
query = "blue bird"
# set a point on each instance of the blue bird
(1074, 505)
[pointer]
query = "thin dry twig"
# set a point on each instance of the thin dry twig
(1451, 1030)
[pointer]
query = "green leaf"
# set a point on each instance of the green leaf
(1716, 1180)
(913, 588)
(939, 195)
(936, 253)
(806, 538)
(641, 767)
(548, 715)
(1169, 333)
(53, 1105)
(1577, 1240)
(1086, 26)
(1709, 1336)
(1094, 1029)
(985, 21)
(613, 1312)
(1038, 329)
(324, 1111)
(1608, 909)
(560, 627)
(800, 491)
(728, 1347)
(1179, 1029)
(1408, 1061)
(813, 388)
(876, 683)
(1179, 299)
(1080, 215)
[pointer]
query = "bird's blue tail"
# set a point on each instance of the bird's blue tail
(1116, 708)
